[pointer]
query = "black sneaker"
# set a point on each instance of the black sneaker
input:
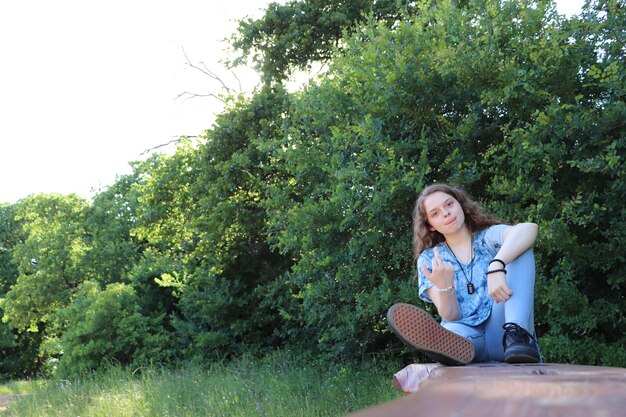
(419, 330)
(519, 345)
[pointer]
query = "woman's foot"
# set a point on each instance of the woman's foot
(519, 346)
(419, 330)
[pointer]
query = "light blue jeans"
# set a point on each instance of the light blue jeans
(519, 309)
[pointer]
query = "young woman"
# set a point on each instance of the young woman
(479, 273)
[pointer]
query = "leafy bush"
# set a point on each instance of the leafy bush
(289, 225)
(505, 99)
(104, 327)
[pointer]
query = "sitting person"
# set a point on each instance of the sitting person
(480, 275)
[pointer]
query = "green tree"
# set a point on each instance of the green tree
(18, 351)
(566, 166)
(165, 222)
(295, 34)
(10, 235)
(290, 223)
(467, 95)
(48, 260)
(204, 204)
(112, 250)
(103, 327)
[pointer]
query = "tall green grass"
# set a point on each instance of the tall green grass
(276, 386)
(19, 387)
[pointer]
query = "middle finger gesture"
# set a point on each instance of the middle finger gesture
(442, 274)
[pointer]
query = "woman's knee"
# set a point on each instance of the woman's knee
(461, 329)
(526, 261)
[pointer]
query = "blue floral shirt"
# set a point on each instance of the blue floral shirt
(474, 308)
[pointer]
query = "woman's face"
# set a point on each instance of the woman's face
(444, 213)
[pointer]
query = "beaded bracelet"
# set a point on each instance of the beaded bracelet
(446, 290)
(498, 260)
(496, 270)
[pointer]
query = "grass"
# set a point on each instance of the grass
(276, 386)
(19, 387)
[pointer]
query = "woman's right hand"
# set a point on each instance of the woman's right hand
(442, 274)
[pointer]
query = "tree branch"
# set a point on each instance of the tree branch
(194, 95)
(177, 140)
(201, 66)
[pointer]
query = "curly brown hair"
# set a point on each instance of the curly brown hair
(476, 218)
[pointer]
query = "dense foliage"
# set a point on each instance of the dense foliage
(296, 33)
(289, 224)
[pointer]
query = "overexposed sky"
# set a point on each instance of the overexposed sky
(87, 86)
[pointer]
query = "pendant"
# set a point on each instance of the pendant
(470, 288)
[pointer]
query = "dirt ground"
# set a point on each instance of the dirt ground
(6, 400)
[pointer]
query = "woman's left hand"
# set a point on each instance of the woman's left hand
(497, 287)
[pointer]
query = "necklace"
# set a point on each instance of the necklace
(470, 284)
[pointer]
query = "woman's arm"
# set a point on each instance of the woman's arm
(446, 303)
(515, 241)
(442, 276)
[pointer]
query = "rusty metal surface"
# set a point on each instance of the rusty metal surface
(498, 389)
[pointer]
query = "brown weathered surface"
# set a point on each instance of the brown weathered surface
(496, 389)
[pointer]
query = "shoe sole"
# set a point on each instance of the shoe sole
(520, 354)
(419, 330)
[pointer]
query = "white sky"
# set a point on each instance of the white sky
(87, 86)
